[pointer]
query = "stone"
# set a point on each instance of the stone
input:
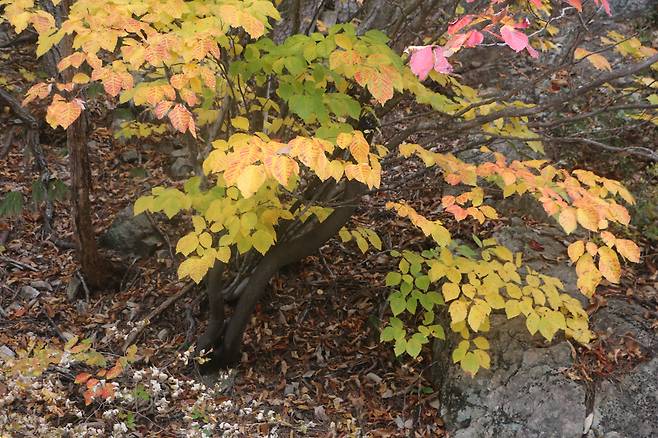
(628, 408)
(524, 394)
(41, 285)
(177, 153)
(627, 405)
(130, 156)
(74, 288)
(181, 168)
(131, 234)
(29, 293)
(6, 352)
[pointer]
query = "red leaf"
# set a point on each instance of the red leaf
(576, 4)
(459, 24)
(475, 38)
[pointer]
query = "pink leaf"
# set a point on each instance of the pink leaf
(515, 39)
(454, 43)
(532, 51)
(605, 4)
(457, 25)
(475, 38)
(536, 3)
(422, 62)
(441, 64)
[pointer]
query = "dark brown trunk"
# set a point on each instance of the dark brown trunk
(95, 269)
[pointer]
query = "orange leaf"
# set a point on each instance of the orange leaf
(114, 371)
(180, 118)
(82, 378)
(89, 396)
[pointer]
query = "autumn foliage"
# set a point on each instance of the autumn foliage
(277, 124)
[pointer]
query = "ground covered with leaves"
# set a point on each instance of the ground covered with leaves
(312, 362)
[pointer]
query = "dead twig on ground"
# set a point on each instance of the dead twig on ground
(151, 316)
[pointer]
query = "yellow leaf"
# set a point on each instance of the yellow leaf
(567, 220)
(608, 238)
(283, 168)
(575, 250)
(609, 264)
(512, 308)
(476, 316)
(187, 244)
(250, 180)
(450, 291)
(628, 249)
(588, 218)
(457, 311)
(63, 113)
(481, 343)
(241, 123)
(194, 267)
(532, 323)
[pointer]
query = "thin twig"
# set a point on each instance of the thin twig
(151, 316)
(18, 264)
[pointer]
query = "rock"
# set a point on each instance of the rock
(131, 234)
(73, 288)
(628, 408)
(41, 285)
(181, 168)
(6, 352)
(163, 334)
(627, 8)
(177, 153)
(524, 394)
(29, 293)
(621, 318)
(130, 156)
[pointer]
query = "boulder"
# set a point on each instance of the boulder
(524, 394)
(131, 234)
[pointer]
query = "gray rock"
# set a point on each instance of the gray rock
(177, 153)
(626, 8)
(74, 288)
(130, 156)
(621, 317)
(181, 168)
(628, 408)
(524, 394)
(41, 285)
(131, 234)
(29, 293)
(6, 352)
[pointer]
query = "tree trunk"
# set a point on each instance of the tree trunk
(98, 273)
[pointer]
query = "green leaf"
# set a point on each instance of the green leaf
(400, 346)
(470, 363)
(393, 278)
(423, 282)
(11, 205)
(262, 241)
(398, 303)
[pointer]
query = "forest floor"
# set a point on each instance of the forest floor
(312, 363)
